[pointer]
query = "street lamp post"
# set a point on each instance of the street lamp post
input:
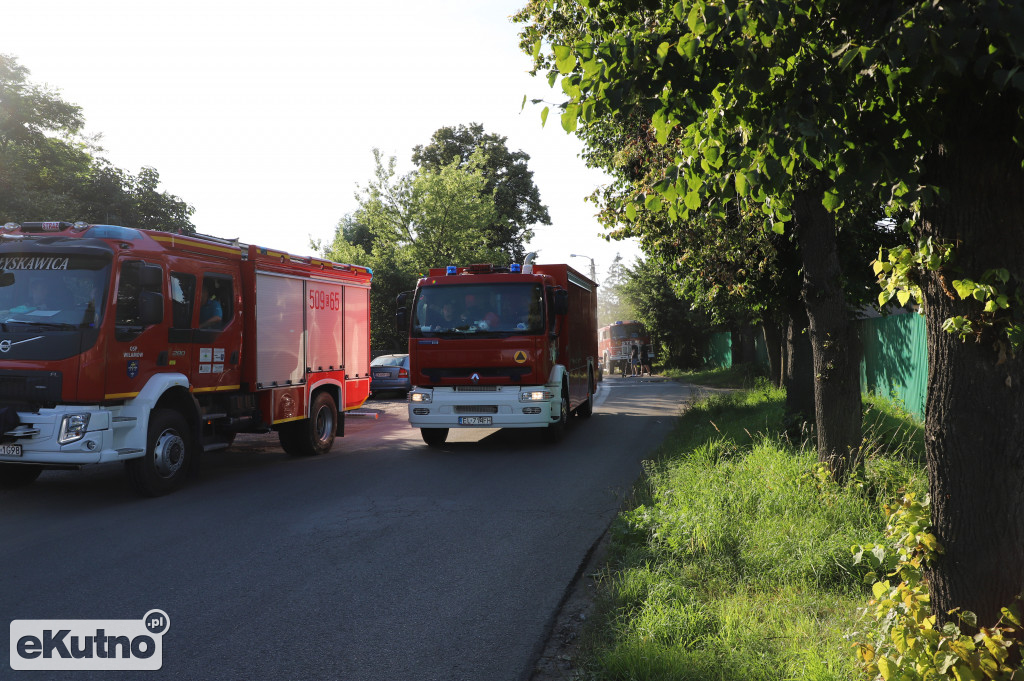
(593, 270)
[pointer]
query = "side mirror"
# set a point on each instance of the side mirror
(561, 301)
(403, 298)
(401, 320)
(151, 277)
(151, 307)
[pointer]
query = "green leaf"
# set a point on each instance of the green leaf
(687, 46)
(695, 21)
(742, 188)
(779, 227)
(569, 120)
(631, 211)
(662, 52)
(565, 60)
(903, 296)
(692, 200)
(963, 673)
(847, 59)
(653, 203)
(544, 116)
(832, 202)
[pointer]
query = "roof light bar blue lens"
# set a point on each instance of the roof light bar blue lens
(451, 269)
(515, 268)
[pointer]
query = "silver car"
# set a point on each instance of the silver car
(390, 372)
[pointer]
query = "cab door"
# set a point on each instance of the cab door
(216, 332)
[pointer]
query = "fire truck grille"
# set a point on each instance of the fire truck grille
(514, 374)
(36, 388)
(476, 409)
(476, 388)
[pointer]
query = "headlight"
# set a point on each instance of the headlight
(535, 396)
(72, 428)
(419, 397)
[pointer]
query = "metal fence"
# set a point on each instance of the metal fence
(893, 363)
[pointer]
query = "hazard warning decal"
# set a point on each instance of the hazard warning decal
(520, 356)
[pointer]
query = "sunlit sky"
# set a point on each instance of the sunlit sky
(263, 115)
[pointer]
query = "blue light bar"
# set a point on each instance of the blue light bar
(451, 269)
(515, 268)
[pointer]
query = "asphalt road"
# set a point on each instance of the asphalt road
(383, 559)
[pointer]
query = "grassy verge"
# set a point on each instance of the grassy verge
(734, 562)
(737, 376)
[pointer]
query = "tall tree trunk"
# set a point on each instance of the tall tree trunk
(775, 345)
(974, 414)
(837, 407)
(799, 377)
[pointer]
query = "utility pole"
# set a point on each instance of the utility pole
(593, 270)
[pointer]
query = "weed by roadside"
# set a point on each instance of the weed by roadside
(734, 560)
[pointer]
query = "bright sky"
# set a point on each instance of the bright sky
(263, 115)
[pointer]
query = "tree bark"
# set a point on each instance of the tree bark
(799, 379)
(837, 406)
(974, 413)
(775, 345)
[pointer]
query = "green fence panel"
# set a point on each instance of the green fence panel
(895, 359)
(719, 351)
(761, 351)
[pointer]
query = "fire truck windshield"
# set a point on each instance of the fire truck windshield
(53, 292)
(506, 309)
(620, 331)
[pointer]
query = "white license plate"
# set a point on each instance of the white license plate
(10, 450)
(378, 374)
(474, 420)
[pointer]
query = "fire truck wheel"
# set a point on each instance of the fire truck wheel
(315, 435)
(18, 475)
(556, 430)
(434, 437)
(586, 410)
(168, 454)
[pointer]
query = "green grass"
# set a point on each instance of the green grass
(737, 376)
(734, 559)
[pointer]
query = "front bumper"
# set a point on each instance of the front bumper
(465, 406)
(38, 438)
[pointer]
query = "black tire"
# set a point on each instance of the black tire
(435, 437)
(586, 410)
(315, 435)
(556, 430)
(13, 475)
(169, 452)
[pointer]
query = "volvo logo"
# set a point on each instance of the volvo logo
(6, 344)
(475, 378)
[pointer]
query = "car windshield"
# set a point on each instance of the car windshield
(479, 308)
(52, 292)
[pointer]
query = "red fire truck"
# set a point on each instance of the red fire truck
(615, 342)
(119, 344)
(500, 347)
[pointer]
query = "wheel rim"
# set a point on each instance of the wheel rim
(169, 453)
(323, 426)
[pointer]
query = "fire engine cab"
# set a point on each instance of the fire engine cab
(120, 344)
(500, 347)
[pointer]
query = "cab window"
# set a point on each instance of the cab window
(215, 301)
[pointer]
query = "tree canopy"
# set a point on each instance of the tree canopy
(49, 171)
(442, 213)
(508, 181)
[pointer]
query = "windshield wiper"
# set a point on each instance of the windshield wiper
(40, 324)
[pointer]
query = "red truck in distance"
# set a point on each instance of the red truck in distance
(119, 344)
(615, 342)
(500, 347)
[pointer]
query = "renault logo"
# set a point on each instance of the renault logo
(475, 378)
